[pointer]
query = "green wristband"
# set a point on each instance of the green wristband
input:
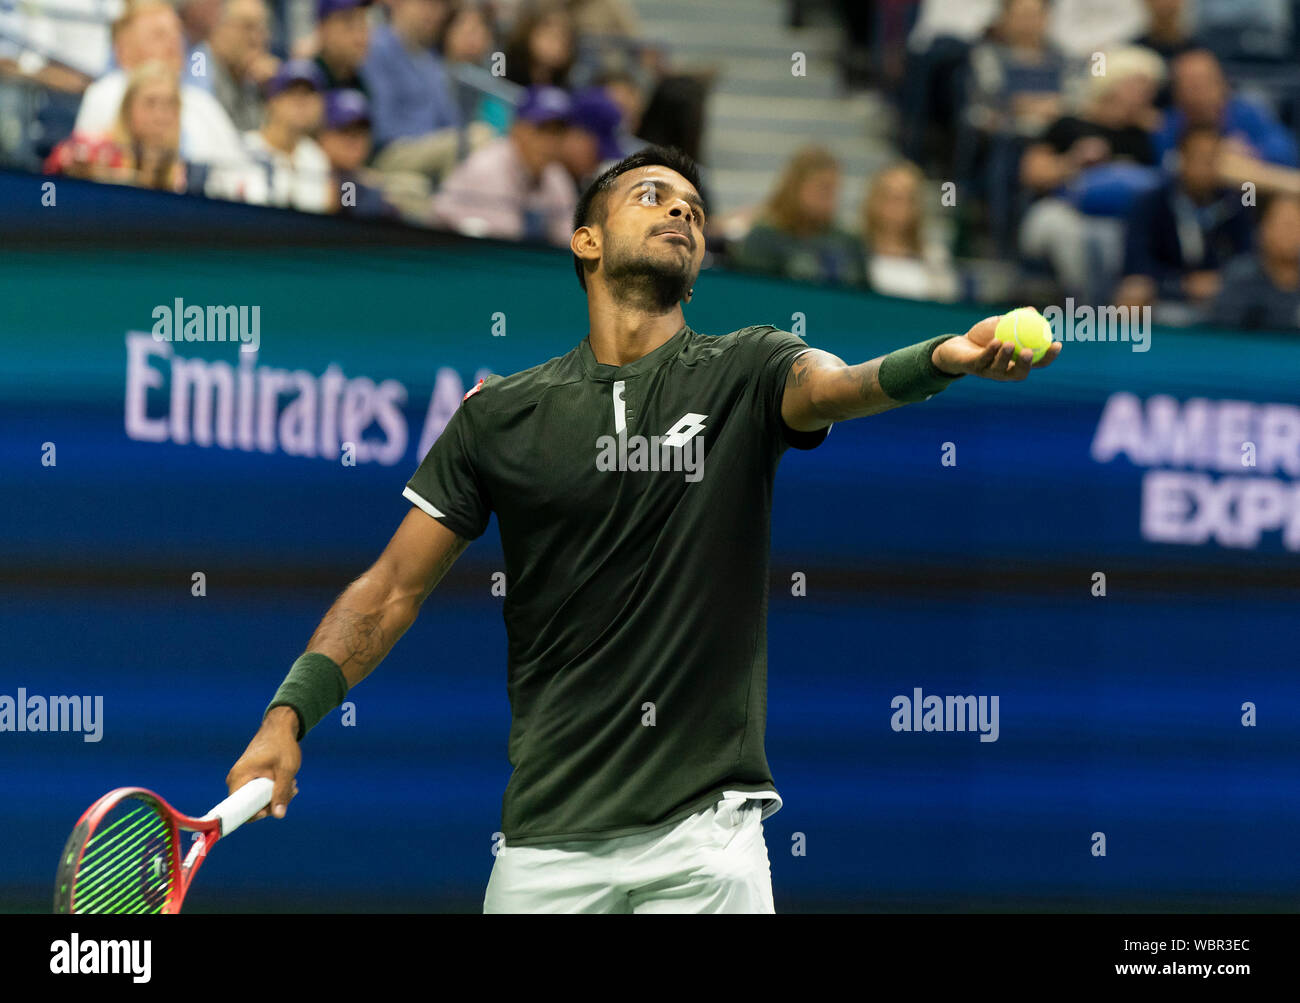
(314, 686)
(909, 375)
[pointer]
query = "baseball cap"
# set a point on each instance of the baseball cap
(295, 71)
(324, 8)
(544, 104)
(344, 108)
(595, 112)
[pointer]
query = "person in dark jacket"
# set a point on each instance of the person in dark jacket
(1181, 234)
(1262, 290)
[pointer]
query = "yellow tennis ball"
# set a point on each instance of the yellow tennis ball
(1025, 328)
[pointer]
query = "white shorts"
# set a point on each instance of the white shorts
(713, 861)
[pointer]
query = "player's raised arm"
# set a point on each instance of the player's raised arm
(358, 631)
(821, 388)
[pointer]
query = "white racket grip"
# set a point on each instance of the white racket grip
(243, 804)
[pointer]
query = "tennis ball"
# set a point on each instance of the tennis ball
(1025, 328)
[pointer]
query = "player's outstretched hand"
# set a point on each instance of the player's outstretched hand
(274, 752)
(980, 353)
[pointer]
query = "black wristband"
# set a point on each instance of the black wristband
(909, 374)
(314, 686)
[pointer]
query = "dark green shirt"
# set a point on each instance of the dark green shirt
(627, 586)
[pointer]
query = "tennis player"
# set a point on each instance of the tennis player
(632, 482)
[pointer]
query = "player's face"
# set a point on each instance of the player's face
(654, 226)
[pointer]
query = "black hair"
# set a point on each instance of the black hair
(591, 206)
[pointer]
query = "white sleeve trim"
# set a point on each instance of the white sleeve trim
(421, 504)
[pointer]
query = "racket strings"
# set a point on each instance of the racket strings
(127, 864)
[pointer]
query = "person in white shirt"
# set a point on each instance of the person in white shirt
(64, 52)
(902, 260)
(150, 31)
(291, 170)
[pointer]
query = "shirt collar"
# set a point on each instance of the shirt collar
(601, 371)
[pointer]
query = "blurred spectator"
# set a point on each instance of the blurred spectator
(345, 140)
(198, 20)
(1079, 28)
(409, 92)
(542, 47)
(150, 31)
(1201, 97)
(142, 148)
(343, 32)
(63, 54)
(235, 62)
(1263, 290)
(416, 118)
(1089, 168)
(795, 235)
(1181, 234)
(674, 115)
(901, 261)
(293, 169)
(466, 34)
(515, 187)
(1016, 75)
(930, 98)
(611, 18)
(964, 20)
(607, 33)
(592, 141)
(148, 129)
(466, 45)
(1169, 35)
(1168, 32)
(860, 29)
(625, 91)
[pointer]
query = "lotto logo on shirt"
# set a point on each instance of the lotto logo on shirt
(679, 450)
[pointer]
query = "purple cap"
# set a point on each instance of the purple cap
(295, 71)
(595, 112)
(344, 108)
(324, 8)
(544, 104)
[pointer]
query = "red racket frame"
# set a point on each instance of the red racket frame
(208, 831)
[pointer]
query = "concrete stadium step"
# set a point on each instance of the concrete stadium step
(758, 112)
(707, 40)
(862, 114)
(737, 13)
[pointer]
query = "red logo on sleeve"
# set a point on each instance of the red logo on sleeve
(473, 390)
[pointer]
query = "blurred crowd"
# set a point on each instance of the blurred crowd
(485, 117)
(1142, 152)
(1139, 152)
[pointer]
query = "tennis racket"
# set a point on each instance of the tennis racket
(125, 854)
